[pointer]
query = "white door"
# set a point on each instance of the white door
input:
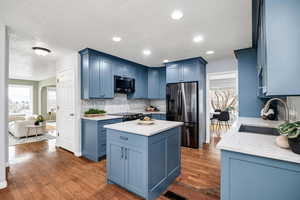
(66, 120)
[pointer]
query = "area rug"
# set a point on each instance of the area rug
(14, 140)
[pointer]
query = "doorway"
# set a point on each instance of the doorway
(222, 103)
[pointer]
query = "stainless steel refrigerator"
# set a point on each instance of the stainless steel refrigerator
(182, 105)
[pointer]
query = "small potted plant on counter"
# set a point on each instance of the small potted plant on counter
(292, 131)
(94, 113)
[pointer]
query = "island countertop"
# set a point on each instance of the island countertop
(145, 130)
(256, 144)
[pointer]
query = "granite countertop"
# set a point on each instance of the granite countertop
(105, 117)
(256, 144)
(145, 130)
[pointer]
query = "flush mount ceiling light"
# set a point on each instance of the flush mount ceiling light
(210, 52)
(177, 15)
(41, 51)
(198, 38)
(116, 39)
(146, 52)
(165, 61)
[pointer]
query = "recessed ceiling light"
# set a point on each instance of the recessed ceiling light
(165, 61)
(116, 39)
(146, 52)
(210, 52)
(198, 38)
(41, 51)
(176, 15)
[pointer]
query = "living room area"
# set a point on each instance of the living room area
(31, 95)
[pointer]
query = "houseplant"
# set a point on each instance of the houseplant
(39, 120)
(94, 113)
(292, 131)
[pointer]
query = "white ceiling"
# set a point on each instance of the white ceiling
(25, 64)
(76, 24)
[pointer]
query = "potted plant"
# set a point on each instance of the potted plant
(39, 120)
(292, 131)
(94, 113)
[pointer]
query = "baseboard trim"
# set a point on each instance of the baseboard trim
(78, 154)
(3, 184)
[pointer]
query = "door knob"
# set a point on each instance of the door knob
(72, 114)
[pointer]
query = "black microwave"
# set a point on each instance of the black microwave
(124, 85)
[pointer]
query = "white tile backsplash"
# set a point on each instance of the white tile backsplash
(294, 107)
(119, 103)
(160, 104)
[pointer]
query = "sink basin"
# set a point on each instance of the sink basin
(259, 130)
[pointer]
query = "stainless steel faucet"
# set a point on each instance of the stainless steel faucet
(286, 108)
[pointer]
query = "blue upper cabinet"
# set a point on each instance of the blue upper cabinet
(279, 47)
(185, 70)
(96, 75)
(140, 73)
(174, 73)
(157, 83)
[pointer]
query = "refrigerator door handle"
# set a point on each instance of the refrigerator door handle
(180, 103)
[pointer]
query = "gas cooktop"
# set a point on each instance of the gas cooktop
(128, 116)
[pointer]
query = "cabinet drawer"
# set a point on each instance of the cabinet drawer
(127, 138)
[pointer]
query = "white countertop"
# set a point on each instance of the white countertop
(256, 144)
(145, 130)
(105, 117)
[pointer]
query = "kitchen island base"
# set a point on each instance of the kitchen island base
(144, 165)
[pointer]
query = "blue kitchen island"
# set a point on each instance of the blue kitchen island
(144, 159)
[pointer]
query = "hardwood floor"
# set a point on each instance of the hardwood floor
(42, 171)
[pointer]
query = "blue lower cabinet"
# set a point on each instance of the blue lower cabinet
(250, 177)
(143, 165)
(93, 138)
(159, 116)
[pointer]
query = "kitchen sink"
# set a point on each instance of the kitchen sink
(259, 130)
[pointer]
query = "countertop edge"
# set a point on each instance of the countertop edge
(103, 118)
(227, 143)
(142, 134)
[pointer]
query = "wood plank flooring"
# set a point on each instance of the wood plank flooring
(42, 171)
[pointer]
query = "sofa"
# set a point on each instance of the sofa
(18, 128)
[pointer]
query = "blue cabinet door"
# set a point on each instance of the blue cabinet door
(191, 70)
(106, 78)
(281, 47)
(174, 73)
(153, 84)
(116, 163)
(85, 76)
(135, 176)
(156, 83)
(173, 151)
(163, 83)
(140, 75)
(251, 177)
(94, 76)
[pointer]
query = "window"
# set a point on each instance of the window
(51, 99)
(20, 99)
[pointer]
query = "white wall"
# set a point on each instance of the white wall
(3, 104)
(222, 65)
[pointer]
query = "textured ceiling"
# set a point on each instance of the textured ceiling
(76, 24)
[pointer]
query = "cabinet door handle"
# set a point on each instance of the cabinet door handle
(122, 152)
(123, 138)
(126, 151)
